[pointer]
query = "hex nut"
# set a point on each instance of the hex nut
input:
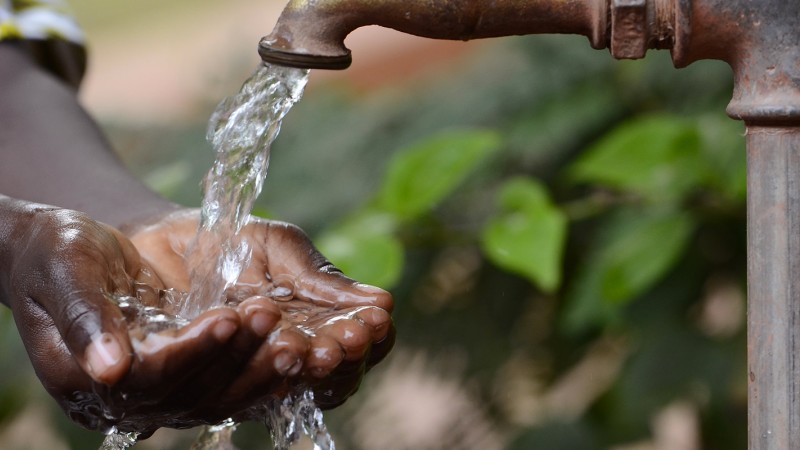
(628, 29)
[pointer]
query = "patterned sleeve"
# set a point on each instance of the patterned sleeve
(49, 32)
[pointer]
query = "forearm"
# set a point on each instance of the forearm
(52, 152)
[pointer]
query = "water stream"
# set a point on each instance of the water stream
(241, 130)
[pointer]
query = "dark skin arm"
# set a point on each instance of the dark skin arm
(54, 153)
(58, 266)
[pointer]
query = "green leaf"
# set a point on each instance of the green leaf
(633, 252)
(528, 236)
(365, 249)
(657, 157)
(647, 249)
(423, 175)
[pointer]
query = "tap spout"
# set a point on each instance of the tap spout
(311, 33)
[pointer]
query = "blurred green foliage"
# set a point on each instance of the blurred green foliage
(527, 236)
(531, 204)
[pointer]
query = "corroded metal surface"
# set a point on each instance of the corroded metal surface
(758, 38)
(311, 31)
(628, 28)
(773, 220)
(761, 42)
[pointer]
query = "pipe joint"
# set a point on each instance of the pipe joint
(639, 25)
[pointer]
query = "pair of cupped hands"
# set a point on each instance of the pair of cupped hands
(64, 268)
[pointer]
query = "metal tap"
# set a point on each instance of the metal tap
(311, 33)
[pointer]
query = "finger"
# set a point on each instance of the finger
(258, 316)
(257, 379)
(290, 348)
(343, 382)
(290, 253)
(327, 285)
(55, 365)
(84, 401)
(377, 320)
(381, 348)
(67, 269)
(352, 335)
(280, 357)
(325, 354)
(165, 359)
(95, 332)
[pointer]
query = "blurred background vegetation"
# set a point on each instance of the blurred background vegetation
(564, 235)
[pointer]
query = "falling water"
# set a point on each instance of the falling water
(286, 418)
(117, 440)
(241, 130)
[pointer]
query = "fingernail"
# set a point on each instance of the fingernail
(262, 323)
(103, 353)
(287, 364)
(223, 330)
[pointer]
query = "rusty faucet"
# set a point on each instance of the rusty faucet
(310, 34)
(759, 39)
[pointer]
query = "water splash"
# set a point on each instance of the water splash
(118, 440)
(152, 319)
(288, 417)
(217, 437)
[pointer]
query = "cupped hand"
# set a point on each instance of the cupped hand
(65, 268)
(330, 329)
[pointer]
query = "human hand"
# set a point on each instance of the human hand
(330, 329)
(59, 269)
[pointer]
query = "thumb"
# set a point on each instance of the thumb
(295, 262)
(63, 269)
(72, 291)
(95, 331)
(329, 285)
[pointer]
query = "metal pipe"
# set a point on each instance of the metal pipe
(773, 221)
(759, 39)
(311, 33)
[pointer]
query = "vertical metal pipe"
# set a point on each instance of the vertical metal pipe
(773, 235)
